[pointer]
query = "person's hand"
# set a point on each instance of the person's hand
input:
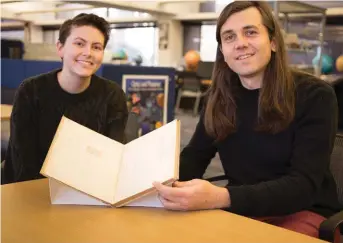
(193, 195)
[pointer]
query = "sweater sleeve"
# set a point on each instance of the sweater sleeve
(21, 162)
(197, 155)
(117, 116)
(314, 136)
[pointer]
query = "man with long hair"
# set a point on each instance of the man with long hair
(273, 128)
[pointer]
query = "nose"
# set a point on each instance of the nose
(241, 42)
(87, 51)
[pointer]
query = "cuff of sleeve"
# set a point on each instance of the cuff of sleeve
(239, 201)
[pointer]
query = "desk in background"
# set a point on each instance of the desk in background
(6, 111)
(28, 216)
(206, 82)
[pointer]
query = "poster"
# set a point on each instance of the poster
(147, 95)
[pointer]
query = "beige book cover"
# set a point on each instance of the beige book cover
(88, 168)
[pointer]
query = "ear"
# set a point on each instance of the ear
(60, 49)
(273, 45)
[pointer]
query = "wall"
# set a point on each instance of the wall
(32, 33)
(170, 43)
(172, 55)
(31, 6)
(40, 51)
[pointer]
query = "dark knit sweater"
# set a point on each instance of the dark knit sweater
(39, 105)
(274, 175)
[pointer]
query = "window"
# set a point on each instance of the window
(13, 34)
(102, 12)
(50, 36)
(135, 41)
(220, 4)
(118, 13)
(208, 43)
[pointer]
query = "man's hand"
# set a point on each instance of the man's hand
(193, 195)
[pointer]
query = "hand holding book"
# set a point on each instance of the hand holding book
(193, 195)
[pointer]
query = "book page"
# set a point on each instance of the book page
(62, 194)
(84, 160)
(152, 157)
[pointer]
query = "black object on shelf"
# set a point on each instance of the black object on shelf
(12, 49)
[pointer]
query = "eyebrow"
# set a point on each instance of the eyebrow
(86, 41)
(229, 31)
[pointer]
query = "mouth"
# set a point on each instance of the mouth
(245, 56)
(84, 62)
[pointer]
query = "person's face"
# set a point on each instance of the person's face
(245, 43)
(83, 51)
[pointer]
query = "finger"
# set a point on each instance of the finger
(183, 183)
(170, 204)
(171, 193)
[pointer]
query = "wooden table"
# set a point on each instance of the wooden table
(27, 216)
(6, 111)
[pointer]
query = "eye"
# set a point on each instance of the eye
(250, 32)
(229, 38)
(98, 48)
(80, 44)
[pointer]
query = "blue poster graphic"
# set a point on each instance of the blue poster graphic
(147, 96)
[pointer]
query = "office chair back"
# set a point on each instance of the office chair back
(336, 165)
(190, 81)
(132, 127)
(328, 228)
(205, 70)
(338, 87)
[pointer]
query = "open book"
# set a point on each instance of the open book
(88, 168)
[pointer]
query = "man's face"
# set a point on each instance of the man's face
(83, 51)
(245, 43)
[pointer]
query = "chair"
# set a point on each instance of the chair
(190, 87)
(132, 127)
(328, 227)
(5, 135)
(7, 95)
(338, 87)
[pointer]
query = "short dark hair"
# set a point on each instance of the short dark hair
(84, 19)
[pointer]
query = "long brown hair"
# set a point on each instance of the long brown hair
(276, 106)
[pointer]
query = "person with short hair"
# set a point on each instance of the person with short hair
(73, 91)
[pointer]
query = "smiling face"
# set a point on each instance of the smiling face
(245, 43)
(83, 51)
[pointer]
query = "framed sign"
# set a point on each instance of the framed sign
(147, 96)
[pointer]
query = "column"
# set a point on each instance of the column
(170, 41)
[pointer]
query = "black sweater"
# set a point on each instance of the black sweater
(39, 105)
(274, 175)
